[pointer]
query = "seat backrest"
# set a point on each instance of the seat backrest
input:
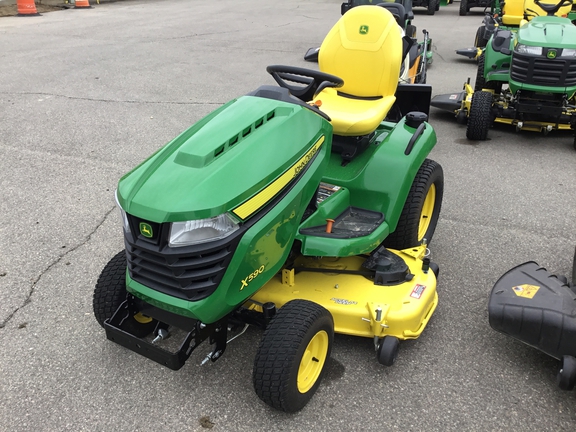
(530, 5)
(512, 12)
(364, 48)
(398, 11)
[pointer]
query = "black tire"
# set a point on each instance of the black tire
(566, 377)
(421, 211)
(110, 292)
(388, 350)
(437, 8)
(481, 82)
(480, 117)
(432, 6)
(463, 8)
(479, 41)
(292, 356)
(574, 261)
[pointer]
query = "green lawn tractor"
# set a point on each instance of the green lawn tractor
(507, 15)
(417, 55)
(431, 6)
(300, 208)
(538, 308)
(526, 79)
(466, 5)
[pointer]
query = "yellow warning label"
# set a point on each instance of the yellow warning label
(525, 290)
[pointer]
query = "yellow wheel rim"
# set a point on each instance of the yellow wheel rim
(142, 319)
(427, 211)
(312, 361)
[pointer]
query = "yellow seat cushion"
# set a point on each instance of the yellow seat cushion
(364, 48)
(354, 117)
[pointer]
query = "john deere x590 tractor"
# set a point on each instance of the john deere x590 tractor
(302, 209)
(526, 78)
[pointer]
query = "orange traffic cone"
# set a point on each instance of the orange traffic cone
(82, 4)
(27, 8)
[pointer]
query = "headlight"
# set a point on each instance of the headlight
(569, 52)
(527, 49)
(201, 231)
(122, 213)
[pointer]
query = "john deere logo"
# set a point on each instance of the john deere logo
(551, 54)
(363, 29)
(146, 230)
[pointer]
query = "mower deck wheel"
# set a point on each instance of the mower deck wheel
(292, 356)
(480, 117)
(422, 208)
(566, 377)
(110, 292)
(388, 350)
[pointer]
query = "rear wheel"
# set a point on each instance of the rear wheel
(110, 292)
(463, 7)
(421, 211)
(480, 118)
(432, 6)
(291, 359)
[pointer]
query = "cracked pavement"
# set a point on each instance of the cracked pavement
(86, 95)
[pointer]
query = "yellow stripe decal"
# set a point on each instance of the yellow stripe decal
(261, 198)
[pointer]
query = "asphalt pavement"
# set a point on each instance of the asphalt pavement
(85, 95)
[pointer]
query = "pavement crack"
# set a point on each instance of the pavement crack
(113, 100)
(50, 266)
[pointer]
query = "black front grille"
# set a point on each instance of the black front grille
(189, 272)
(540, 70)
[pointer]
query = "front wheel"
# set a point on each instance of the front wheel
(432, 6)
(480, 41)
(480, 118)
(110, 292)
(291, 359)
(421, 211)
(463, 8)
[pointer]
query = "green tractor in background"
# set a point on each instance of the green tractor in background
(305, 209)
(506, 15)
(465, 5)
(431, 6)
(525, 78)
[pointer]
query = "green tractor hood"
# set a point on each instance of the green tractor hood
(545, 31)
(222, 161)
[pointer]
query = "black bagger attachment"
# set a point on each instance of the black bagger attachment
(537, 308)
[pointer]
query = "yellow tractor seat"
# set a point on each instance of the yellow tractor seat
(512, 12)
(365, 49)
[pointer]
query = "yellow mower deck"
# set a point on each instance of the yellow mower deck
(359, 307)
(532, 125)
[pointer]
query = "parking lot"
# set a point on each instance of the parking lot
(86, 95)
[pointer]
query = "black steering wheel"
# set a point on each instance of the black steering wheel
(311, 81)
(551, 9)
